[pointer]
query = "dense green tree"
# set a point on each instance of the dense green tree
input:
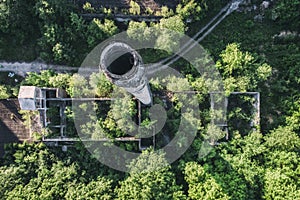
(75, 85)
(3, 92)
(60, 81)
(39, 80)
(202, 185)
(174, 23)
(34, 171)
(169, 31)
(78, 86)
(10, 177)
(18, 19)
(191, 9)
(4, 17)
(279, 185)
(250, 165)
(165, 12)
(101, 189)
(101, 85)
(283, 139)
(241, 71)
(123, 109)
(52, 10)
(49, 184)
(282, 161)
(59, 41)
(98, 31)
(243, 159)
(165, 34)
(293, 118)
(150, 178)
(88, 7)
(134, 8)
(62, 31)
(287, 13)
(138, 31)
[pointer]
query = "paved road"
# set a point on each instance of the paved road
(23, 67)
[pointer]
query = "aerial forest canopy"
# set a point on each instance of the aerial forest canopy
(255, 49)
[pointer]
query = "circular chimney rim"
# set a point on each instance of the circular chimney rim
(114, 51)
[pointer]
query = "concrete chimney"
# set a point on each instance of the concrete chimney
(124, 67)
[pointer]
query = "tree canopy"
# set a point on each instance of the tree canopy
(255, 49)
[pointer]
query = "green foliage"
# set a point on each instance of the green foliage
(101, 189)
(165, 12)
(39, 80)
(60, 81)
(293, 119)
(61, 52)
(202, 185)
(169, 31)
(88, 7)
(49, 10)
(165, 34)
(27, 116)
(149, 11)
(54, 43)
(78, 86)
(191, 9)
(50, 183)
(242, 159)
(10, 177)
(283, 139)
(134, 8)
(150, 178)
(283, 172)
(75, 85)
(241, 71)
(35, 171)
(213, 134)
(64, 34)
(3, 92)
(98, 31)
(4, 17)
(101, 86)
(287, 13)
(139, 31)
(59, 41)
(278, 185)
(16, 19)
(123, 109)
(255, 166)
(174, 23)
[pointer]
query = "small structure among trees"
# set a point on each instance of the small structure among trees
(33, 98)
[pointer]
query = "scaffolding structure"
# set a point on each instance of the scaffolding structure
(41, 99)
(255, 121)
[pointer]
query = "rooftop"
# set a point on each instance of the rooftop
(12, 128)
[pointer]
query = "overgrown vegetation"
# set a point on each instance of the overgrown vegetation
(256, 51)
